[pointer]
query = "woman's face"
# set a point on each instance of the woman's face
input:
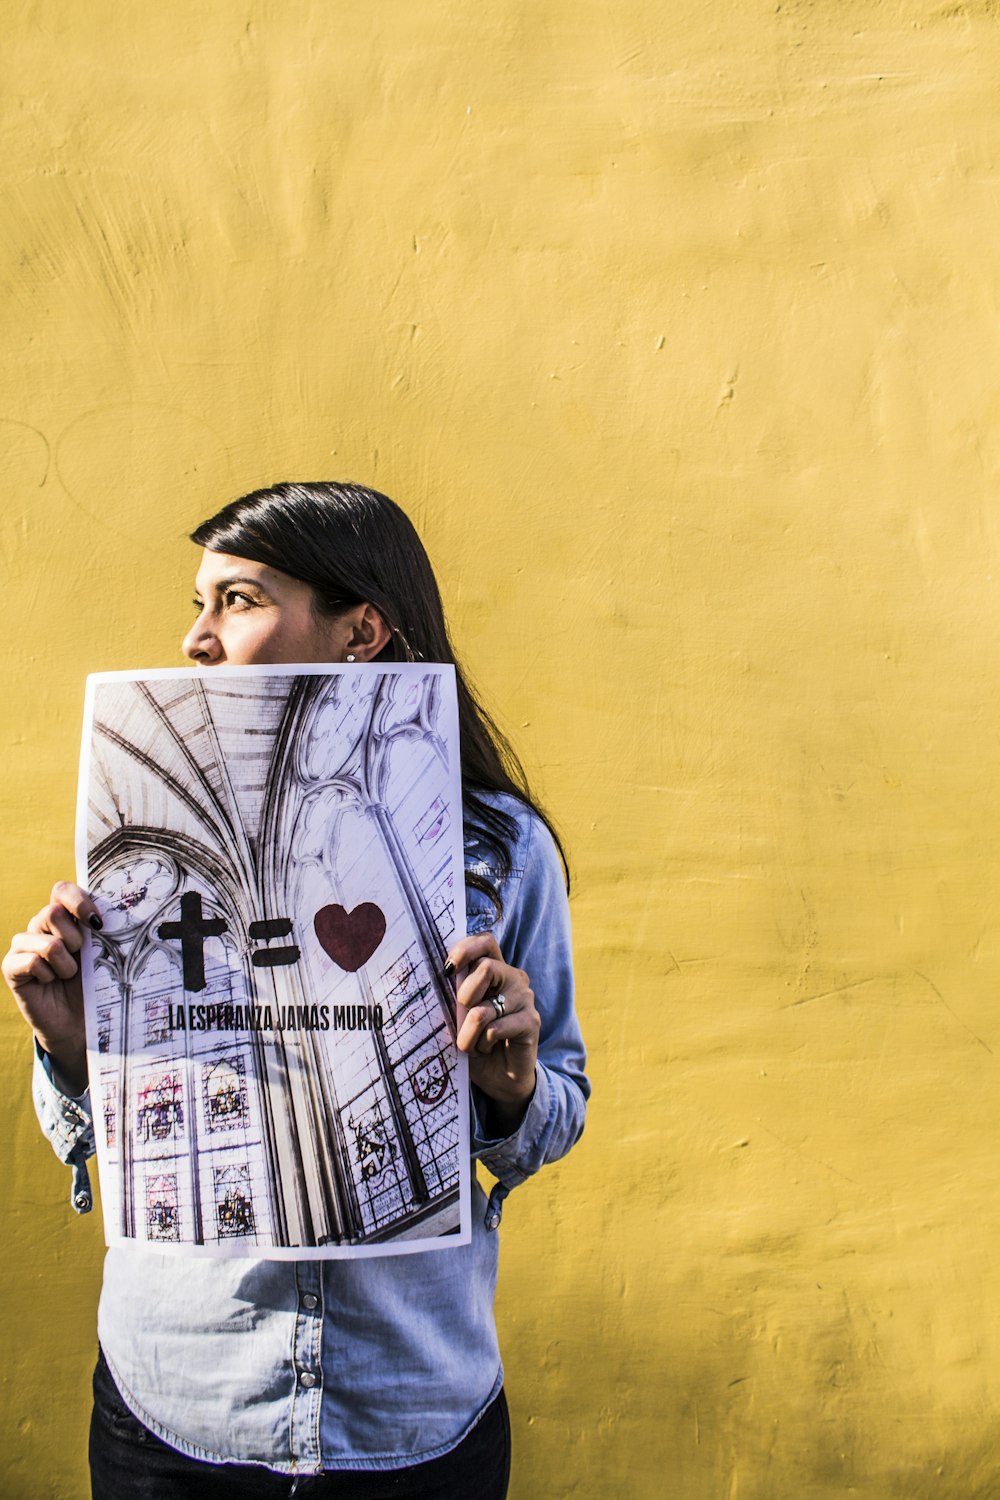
(250, 613)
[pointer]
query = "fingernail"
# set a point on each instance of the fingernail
(95, 922)
(449, 969)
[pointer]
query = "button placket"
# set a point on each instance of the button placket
(306, 1401)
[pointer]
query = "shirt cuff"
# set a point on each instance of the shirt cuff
(509, 1158)
(67, 1122)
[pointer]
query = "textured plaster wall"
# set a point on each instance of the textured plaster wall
(674, 325)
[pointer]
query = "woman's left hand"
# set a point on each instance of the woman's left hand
(500, 1039)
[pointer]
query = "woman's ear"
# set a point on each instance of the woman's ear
(368, 634)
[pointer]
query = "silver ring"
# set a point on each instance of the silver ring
(499, 1004)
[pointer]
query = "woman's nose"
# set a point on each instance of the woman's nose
(201, 644)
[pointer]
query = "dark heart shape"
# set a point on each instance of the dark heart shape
(350, 937)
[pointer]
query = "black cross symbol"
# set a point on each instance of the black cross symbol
(192, 929)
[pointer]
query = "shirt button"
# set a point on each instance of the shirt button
(310, 1302)
(307, 1378)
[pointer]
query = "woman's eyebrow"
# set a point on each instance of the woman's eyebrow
(221, 584)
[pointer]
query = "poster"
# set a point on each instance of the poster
(277, 856)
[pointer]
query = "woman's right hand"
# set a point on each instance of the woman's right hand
(43, 973)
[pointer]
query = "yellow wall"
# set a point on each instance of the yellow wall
(674, 325)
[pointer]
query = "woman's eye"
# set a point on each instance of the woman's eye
(236, 600)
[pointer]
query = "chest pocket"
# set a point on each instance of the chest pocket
(480, 913)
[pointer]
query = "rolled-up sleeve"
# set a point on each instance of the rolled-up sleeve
(534, 935)
(68, 1125)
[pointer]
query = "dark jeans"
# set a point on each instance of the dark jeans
(128, 1462)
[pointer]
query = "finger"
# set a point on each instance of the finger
(78, 901)
(23, 969)
(57, 920)
(51, 953)
(518, 1027)
(484, 1026)
(479, 1008)
(472, 1027)
(517, 1030)
(488, 974)
(469, 950)
(490, 1039)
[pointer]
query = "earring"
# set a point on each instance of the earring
(351, 656)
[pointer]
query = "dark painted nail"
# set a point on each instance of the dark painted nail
(449, 969)
(96, 922)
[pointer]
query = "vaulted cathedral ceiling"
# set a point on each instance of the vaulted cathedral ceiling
(188, 754)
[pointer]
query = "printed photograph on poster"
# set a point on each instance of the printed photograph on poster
(277, 857)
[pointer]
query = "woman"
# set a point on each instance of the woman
(344, 1378)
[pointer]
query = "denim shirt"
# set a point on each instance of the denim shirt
(354, 1364)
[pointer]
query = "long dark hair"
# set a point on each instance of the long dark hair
(354, 546)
